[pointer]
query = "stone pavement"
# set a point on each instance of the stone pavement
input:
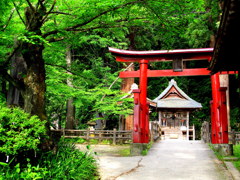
(166, 160)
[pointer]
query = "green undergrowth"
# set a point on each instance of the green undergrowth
(91, 141)
(67, 163)
(236, 151)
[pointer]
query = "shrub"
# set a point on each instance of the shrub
(69, 163)
(19, 131)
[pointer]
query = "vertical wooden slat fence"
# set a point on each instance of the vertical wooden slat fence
(234, 137)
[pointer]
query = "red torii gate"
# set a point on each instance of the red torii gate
(219, 118)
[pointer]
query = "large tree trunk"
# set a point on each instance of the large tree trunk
(126, 123)
(34, 81)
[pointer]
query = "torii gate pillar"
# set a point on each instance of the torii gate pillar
(141, 115)
(144, 124)
(219, 117)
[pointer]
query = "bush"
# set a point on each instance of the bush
(19, 131)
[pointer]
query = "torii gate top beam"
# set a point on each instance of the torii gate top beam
(162, 55)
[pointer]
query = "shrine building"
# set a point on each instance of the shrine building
(173, 107)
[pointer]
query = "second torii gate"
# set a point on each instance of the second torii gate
(219, 117)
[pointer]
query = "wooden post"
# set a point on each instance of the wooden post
(88, 133)
(100, 136)
(188, 125)
(114, 136)
(63, 132)
(159, 118)
(193, 132)
(233, 137)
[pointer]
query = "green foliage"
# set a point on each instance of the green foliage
(68, 163)
(19, 131)
(28, 173)
(235, 118)
(203, 24)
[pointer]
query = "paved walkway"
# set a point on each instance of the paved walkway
(166, 160)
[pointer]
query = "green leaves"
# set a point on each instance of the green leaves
(19, 131)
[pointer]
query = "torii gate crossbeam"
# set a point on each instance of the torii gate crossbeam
(218, 106)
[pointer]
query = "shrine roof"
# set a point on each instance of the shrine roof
(226, 50)
(174, 97)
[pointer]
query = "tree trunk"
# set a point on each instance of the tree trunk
(126, 123)
(70, 118)
(18, 70)
(34, 81)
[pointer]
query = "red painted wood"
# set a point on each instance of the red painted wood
(170, 72)
(143, 100)
(170, 57)
(136, 119)
(213, 125)
(215, 108)
(223, 115)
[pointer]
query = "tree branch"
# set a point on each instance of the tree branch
(9, 19)
(92, 19)
(50, 10)
(62, 67)
(30, 5)
(5, 64)
(17, 83)
(19, 13)
(58, 12)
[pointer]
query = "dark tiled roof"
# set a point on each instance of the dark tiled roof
(176, 102)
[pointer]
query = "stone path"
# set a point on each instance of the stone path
(166, 160)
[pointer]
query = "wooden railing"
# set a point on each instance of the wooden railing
(205, 132)
(114, 135)
(192, 133)
(155, 130)
(234, 137)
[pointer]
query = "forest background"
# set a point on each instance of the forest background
(55, 63)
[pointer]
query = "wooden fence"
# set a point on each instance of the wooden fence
(114, 135)
(234, 137)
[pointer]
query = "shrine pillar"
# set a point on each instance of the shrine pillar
(144, 124)
(220, 117)
(215, 119)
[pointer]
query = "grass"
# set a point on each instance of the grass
(236, 152)
(125, 152)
